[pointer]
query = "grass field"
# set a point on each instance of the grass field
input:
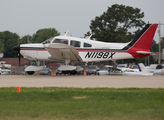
(53, 103)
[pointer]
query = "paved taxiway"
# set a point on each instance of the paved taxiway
(82, 81)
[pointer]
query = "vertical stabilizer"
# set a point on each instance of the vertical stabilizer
(142, 67)
(144, 39)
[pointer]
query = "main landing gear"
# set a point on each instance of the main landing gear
(32, 68)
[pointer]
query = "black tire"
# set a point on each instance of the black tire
(30, 72)
(65, 72)
(73, 72)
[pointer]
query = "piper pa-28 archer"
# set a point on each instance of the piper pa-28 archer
(71, 50)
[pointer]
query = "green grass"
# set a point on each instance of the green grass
(53, 103)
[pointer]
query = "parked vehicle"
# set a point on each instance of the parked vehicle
(18, 73)
(92, 69)
(79, 71)
(5, 72)
(45, 71)
(58, 72)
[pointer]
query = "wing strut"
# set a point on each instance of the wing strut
(67, 61)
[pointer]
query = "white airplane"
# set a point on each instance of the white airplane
(71, 50)
(153, 69)
(3, 64)
(120, 70)
(5, 71)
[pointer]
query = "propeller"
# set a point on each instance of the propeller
(17, 48)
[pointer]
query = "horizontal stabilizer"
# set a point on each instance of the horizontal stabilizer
(144, 52)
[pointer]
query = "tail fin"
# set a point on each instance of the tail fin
(144, 39)
(142, 67)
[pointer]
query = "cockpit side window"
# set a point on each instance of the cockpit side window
(87, 45)
(63, 41)
(75, 43)
(159, 67)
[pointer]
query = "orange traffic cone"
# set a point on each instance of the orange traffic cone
(18, 89)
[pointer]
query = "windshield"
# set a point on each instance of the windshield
(63, 41)
(44, 69)
(105, 68)
(48, 41)
(92, 67)
(159, 67)
(121, 66)
(135, 67)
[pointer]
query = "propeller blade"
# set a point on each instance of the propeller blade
(17, 48)
(19, 57)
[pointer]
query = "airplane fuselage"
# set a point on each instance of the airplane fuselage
(71, 50)
(88, 50)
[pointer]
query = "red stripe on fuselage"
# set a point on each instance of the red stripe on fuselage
(33, 49)
(132, 52)
(98, 51)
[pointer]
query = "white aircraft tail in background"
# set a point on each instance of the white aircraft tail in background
(153, 69)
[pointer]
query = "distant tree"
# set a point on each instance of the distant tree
(114, 24)
(9, 41)
(154, 47)
(1, 46)
(162, 38)
(24, 39)
(44, 34)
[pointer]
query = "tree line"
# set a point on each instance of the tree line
(114, 25)
(9, 39)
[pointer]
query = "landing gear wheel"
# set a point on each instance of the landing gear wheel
(65, 72)
(73, 72)
(30, 72)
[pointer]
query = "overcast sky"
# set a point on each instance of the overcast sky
(27, 16)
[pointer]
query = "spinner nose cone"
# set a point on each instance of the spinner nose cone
(16, 48)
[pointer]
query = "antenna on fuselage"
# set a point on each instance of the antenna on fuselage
(66, 33)
(89, 37)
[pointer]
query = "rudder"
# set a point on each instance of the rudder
(144, 39)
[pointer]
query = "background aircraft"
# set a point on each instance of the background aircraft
(153, 69)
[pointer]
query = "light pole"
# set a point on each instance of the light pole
(159, 31)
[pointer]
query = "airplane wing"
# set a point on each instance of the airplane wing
(62, 52)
